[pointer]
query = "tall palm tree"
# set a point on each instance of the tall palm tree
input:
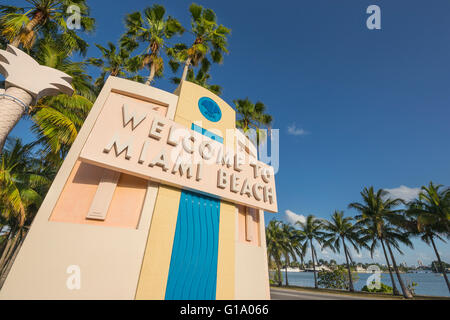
(371, 241)
(430, 218)
(116, 62)
(339, 230)
(276, 246)
(152, 29)
(376, 211)
(57, 119)
(201, 78)
(23, 183)
(210, 39)
(289, 244)
(310, 230)
(24, 25)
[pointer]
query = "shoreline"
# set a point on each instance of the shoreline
(359, 293)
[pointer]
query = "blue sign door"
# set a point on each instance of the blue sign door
(193, 265)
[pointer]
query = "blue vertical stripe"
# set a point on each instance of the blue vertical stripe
(193, 265)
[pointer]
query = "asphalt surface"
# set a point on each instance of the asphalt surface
(286, 294)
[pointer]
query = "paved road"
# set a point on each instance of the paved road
(286, 294)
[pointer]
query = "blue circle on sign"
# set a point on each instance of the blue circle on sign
(210, 109)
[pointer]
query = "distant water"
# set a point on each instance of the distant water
(428, 284)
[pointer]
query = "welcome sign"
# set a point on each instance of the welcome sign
(135, 139)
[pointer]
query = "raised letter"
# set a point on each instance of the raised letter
(157, 127)
(160, 161)
(182, 166)
(132, 117)
(246, 189)
(268, 194)
(119, 147)
(234, 185)
(256, 191)
(239, 160)
(222, 179)
(224, 158)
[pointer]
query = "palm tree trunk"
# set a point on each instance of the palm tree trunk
(5, 251)
(280, 282)
(406, 293)
(350, 280)
(8, 253)
(285, 273)
(314, 264)
(152, 74)
(444, 273)
(394, 287)
(186, 68)
(11, 111)
(37, 19)
(12, 258)
(14, 245)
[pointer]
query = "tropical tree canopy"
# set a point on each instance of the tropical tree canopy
(22, 180)
(58, 119)
(210, 40)
(152, 29)
(24, 25)
(201, 78)
(116, 62)
(431, 210)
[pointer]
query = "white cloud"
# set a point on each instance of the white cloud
(403, 192)
(292, 217)
(293, 130)
(356, 254)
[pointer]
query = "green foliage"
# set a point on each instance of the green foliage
(201, 78)
(58, 119)
(23, 182)
(116, 62)
(210, 39)
(275, 278)
(251, 115)
(153, 30)
(23, 26)
(439, 268)
(383, 289)
(334, 279)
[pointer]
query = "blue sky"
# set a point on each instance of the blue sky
(355, 107)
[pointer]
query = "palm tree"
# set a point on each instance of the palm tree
(23, 183)
(209, 39)
(252, 116)
(27, 82)
(376, 211)
(310, 230)
(23, 25)
(430, 218)
(201, 78)
(116, 62)
(58, 119)
(289, 247)
(340, 230)
(153, 29)
(276, 246)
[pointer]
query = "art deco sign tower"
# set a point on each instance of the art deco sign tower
(159, 198)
